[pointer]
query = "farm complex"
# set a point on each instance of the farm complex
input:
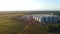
(29, 23)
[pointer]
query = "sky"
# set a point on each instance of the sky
(24, 5)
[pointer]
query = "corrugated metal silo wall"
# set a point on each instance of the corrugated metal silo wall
(55, 19)
(39, 18)
(49, 19)
(42, 19)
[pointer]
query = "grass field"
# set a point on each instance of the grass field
(9, 26)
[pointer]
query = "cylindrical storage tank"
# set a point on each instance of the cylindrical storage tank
(39, 19)
(55, 18)
(46, 19)
(42, 19)
(35, 17)
(51, 18)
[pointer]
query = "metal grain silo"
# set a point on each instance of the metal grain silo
(46, 19)
(51, 19)
(42, 19)
(35, 17)
(39, 18)
(55, 19)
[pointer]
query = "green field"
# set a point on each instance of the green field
(9, 26)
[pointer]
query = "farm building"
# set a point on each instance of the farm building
(45, 18)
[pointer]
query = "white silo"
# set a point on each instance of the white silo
(39, 18)
(35, 17)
